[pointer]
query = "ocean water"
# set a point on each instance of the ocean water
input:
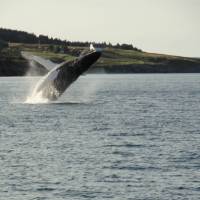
(108, 137)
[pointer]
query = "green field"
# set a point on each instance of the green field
(110, 56)
(112, 61)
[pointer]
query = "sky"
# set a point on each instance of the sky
(160, 26)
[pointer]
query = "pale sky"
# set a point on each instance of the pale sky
(162, 26)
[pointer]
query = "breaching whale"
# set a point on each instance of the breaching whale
(61, 76)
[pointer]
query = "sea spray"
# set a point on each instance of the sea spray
(33, 97)
(36, 99)
(84, 90)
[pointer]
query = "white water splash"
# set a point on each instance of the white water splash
(36, 99)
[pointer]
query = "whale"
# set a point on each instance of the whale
(61, 76)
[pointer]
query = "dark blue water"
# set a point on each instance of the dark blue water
(108, 137)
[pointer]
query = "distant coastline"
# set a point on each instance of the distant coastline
(115, 59)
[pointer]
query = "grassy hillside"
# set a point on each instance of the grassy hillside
(112, 60)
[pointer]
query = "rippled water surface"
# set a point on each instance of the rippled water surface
(108, 137)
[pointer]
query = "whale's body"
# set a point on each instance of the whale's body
(58, 79)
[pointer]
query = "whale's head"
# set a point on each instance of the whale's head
(87, 59)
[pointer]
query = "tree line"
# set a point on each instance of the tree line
(16, 36)
(3, 44)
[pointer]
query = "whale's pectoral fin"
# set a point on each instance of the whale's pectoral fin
(48, 64)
